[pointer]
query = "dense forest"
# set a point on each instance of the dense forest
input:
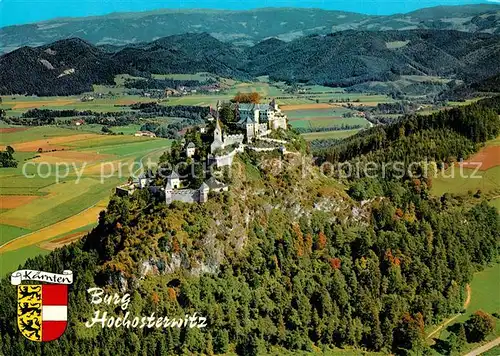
(445, 136)
(286, 260)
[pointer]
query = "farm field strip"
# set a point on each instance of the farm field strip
(82, 219)
(10, 261)
(61, 201)
(488, 156)
(48, 144)
(15, 201)
(311, 106)
(42, 201)
(489, 173)
(35, 133)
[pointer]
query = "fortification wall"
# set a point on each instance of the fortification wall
(232, 139)
(226, 160)
(263, 149)
(272, 140)
(184, 195)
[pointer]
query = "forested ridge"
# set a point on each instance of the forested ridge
(445, 136)
(245, 27)
(344, 58)
(286, 260)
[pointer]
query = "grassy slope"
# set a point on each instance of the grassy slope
(10, 261)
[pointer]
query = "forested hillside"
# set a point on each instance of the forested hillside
(340, 59)
(445, 136)
(353, 57)
(244, 28)
(285, 260)
(65, 67)
(412, 146)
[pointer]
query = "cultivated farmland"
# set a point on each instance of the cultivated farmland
(37, 206)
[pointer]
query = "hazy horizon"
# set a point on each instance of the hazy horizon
(18, 12)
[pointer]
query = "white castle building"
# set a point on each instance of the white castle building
(258, 119)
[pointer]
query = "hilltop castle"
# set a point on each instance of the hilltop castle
(255, 120)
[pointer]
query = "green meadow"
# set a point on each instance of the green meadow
(465, 181)
(10, 261)
(11, 232)
(324, 118)
(485, 292)
(451, 181)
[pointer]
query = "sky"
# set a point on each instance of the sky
(14, 12)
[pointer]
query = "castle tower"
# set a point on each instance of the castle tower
(218, 139)
(274, 105)
(168, 193)
(218, 131)
(204, 190)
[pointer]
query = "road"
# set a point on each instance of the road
(484, 348)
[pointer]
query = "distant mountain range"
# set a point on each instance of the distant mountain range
(340, 59)
(243, 28)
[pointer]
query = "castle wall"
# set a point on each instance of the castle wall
(185, 196)
(232, 139)
(226, 160)
(263, 149)
(272, 140)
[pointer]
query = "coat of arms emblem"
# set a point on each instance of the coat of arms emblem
(42, 308)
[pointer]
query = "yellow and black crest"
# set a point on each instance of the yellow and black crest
(29, 311)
